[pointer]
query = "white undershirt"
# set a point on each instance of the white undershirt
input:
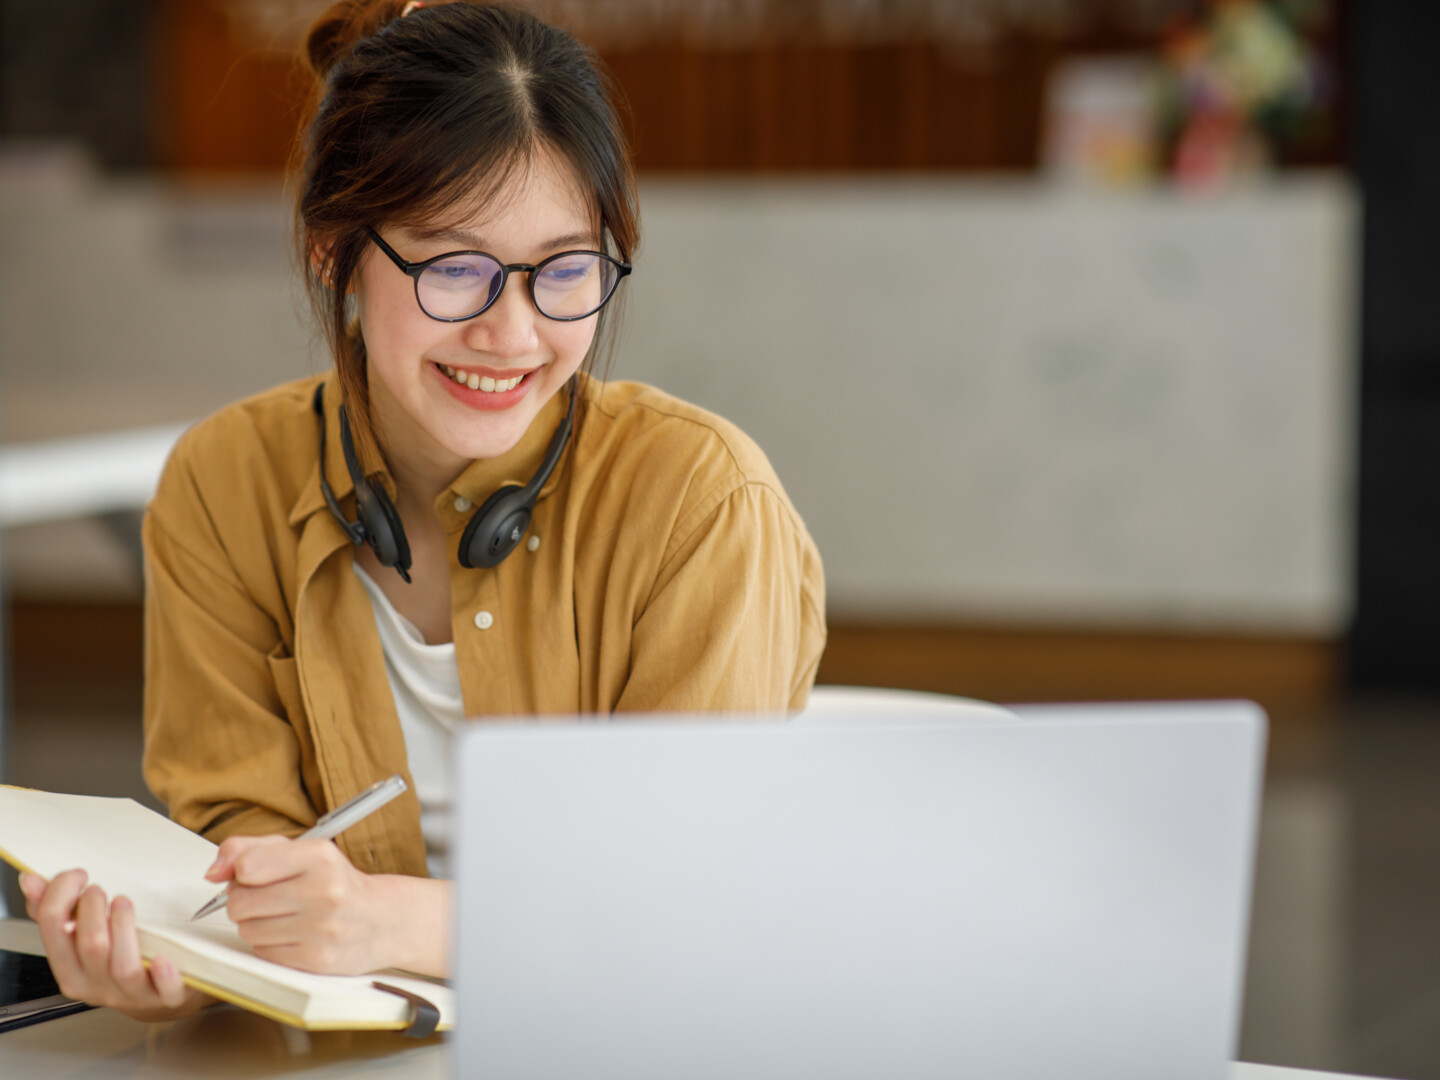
(425, 681)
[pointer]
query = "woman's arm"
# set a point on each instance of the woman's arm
(735, 620)
(222, 747)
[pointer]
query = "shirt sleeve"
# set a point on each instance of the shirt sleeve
(735, 621)
(222, 701)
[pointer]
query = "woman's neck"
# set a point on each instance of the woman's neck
(421, 468)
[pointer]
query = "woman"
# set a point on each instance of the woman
(466, 213)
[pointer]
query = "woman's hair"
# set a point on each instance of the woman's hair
(432, 114)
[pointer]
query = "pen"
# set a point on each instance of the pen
(331, 825)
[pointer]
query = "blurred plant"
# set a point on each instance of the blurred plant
(1242, 83)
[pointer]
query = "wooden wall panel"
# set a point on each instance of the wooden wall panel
(227, 105)
(796, 106)
(223, 106)
(1297, 680)
(815, 108)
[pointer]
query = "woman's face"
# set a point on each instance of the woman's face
(426, 418)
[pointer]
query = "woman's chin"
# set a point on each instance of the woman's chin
(482, 449)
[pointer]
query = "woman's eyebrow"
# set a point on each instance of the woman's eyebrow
(474, 242)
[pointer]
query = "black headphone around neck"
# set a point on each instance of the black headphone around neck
(492, 533)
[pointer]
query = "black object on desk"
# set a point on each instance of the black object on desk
(28, 992)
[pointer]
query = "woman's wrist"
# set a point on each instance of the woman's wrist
(414, 916)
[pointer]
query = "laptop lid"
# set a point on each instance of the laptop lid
(1062, 895)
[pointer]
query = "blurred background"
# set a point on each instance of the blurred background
(1095, 340)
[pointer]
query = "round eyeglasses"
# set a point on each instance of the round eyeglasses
(460, 285)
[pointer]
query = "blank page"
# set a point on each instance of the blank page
(124, 847)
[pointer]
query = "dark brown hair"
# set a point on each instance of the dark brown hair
(433, 113)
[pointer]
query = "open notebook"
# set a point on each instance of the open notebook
(130, 850)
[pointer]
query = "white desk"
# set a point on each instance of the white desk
(81, 476)
(228, 1042)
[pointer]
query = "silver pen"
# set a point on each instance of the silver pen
(331, 826)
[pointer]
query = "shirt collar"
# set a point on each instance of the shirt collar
(310, 498)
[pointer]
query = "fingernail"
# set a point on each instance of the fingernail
(68, 926)
(121, 903)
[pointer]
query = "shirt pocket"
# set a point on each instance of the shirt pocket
(285, 673)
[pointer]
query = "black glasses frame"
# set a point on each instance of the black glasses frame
(415, 269)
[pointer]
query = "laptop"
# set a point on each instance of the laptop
(1060, 894)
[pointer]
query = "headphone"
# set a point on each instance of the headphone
(492, 533)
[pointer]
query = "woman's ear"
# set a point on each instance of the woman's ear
(320, 249)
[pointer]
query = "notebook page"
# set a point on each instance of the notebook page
(124, 847)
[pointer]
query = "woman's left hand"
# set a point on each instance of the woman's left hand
(303, 904)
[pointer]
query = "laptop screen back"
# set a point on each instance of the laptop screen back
(1062, 895)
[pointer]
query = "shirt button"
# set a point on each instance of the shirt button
(533, 543)
(484, 620)
(462, 504)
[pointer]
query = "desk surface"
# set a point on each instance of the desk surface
(229, 1042)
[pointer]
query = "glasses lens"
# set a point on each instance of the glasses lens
(459, 285)
(573, 285)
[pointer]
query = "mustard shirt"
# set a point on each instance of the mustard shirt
(672, 574)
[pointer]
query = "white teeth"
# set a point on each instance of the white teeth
(483, 383)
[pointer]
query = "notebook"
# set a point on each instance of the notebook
(128, 848)
(1062, 894)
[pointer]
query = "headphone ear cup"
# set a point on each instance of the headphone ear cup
(496, 528)
(383, 529)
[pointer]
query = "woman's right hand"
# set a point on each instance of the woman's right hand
(94, 951)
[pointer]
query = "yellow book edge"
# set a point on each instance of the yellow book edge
(249, 1004)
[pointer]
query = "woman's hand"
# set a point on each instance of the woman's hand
(303, 904)
(94, 951)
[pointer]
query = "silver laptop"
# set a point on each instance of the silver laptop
(1064, 894)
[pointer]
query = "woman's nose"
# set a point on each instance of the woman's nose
(507, 328)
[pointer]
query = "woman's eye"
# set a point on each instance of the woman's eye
(567, 273)
(458, 274)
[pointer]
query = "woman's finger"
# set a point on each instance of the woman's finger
(268, 933)
(222, 869)
(92, 935)
(167, 982)
(265, 901)
(54, 909)
(266, 864)
(126, 971)
(32, 887)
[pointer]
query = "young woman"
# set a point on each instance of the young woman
(460, 521)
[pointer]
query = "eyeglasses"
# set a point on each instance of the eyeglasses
(460, 285)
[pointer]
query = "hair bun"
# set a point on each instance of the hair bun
(343, 25)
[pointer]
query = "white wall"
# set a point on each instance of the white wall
(996, 402)
(990, 402)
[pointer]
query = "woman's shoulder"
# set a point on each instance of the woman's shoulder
(665, 467)
(635, 421)
(260, 449)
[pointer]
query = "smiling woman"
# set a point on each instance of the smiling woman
(465, 221)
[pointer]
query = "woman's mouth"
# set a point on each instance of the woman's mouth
(483, 383)
(484, 392)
